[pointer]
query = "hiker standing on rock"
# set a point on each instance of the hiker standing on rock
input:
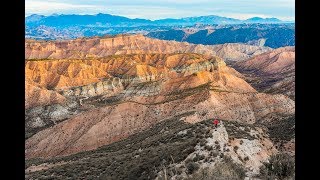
(216, 122)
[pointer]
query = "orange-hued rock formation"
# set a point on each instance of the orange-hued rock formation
(237, 52)
(63, 73)
(273, 62)
(36, 96)
(132, 44)
(126, 84)
(273, 71)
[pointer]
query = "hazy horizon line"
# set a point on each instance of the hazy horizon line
(83, 14)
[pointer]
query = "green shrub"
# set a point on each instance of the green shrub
(218, 146)
(192, 167)
(198, 157)
(235, 148)
(203, 142)
(207, 147)
(246, 158)
(237, 168)
(241, 142)
(201, 157)
(214, 153)
(226, 170)
(281, 166)
(187, 161)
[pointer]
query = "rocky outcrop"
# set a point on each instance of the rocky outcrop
(63, 73)
(272, 72)
(37, 96)
(273, 62)
(238, 52)
(40, 117)
(249, 152)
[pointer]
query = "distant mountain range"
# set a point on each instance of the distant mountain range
(112, 20)
(209, 30)
(271, 35)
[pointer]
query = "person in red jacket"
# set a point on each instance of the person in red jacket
(216, 122)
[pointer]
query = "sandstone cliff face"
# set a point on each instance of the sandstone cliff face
(63, 73)
(132, 44)
(100, 76)
(36, 96)
(273, 62)
(272, 72)
(92, 129)
(238, 52)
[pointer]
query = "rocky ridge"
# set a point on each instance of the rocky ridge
(172, 149)
(272, 72)
(132, 44)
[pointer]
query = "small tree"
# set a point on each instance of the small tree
(192, 167)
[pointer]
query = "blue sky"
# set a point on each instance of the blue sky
(159, 9)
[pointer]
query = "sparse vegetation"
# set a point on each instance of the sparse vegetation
(280, 166)
(181, 94)
(218, 146)
(282, 129)
(123, 160)
(214, 153)
(207, 147)
(235, 148)
(203, 142)
(192, 167)
(226, 169)
(246, 158)
(234, 131)
(198, 158)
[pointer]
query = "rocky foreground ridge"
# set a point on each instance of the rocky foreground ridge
(207, 145)
(171, 149)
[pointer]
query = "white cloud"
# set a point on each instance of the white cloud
(154, 12)
(49, 7)
(242, 9)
